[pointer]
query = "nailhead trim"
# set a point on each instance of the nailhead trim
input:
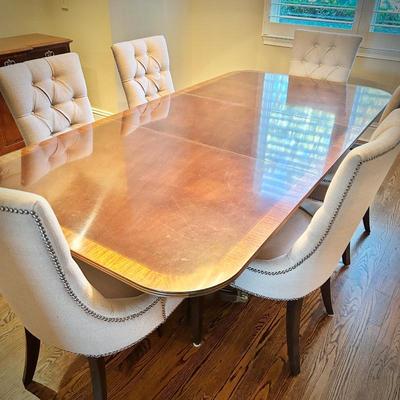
(331, 222)
(67, 286)
(163, 308)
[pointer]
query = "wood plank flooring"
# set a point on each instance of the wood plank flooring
(352, 355)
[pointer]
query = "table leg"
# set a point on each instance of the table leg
(196, 319)
(232, 295)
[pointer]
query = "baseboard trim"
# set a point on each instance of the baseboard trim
(101, 113)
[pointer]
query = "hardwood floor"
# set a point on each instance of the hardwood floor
(353, 355)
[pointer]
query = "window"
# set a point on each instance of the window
(386, 17)
(331, 14)
(377, 21)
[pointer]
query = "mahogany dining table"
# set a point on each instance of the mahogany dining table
(176, 197)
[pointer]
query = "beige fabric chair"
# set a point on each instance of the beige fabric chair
(323, 55)
(393, 104)
(143, 66)
(46, 96)
(308, 262)
(53, 298)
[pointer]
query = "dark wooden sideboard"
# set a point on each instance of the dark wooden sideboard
(18, 49)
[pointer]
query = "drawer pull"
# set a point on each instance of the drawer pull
(9, 62)
(49, 53)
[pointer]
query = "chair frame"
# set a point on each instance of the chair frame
(96, 364)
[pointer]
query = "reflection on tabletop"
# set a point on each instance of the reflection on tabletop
(144, 114)
(46, 156)
(298, 130)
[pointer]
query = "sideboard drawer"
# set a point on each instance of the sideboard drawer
(46, 51)
(12, 59)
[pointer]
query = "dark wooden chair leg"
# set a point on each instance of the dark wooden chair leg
(98, 374)
(293, 313)
(31, 357)
(160, 331)
(346, 256)
(367, 222)
(326, 296)
(196, 319)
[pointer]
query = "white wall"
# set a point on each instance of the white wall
(87, 23)
(206, 38)
(225, 36)
(18, 17)
(132, 19)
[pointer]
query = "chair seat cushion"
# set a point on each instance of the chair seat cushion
(282, 241)
(109, 287)
(320, 191)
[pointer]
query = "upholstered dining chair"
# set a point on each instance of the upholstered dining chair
(323, 55)
(319, 193)
(143, 66)
(46, 96)
(315, 244)
(54, 299)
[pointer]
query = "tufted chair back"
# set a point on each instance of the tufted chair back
(46, 96)
(323, 55)
(143, 66)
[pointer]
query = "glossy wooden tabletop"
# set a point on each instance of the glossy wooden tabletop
(176, 196)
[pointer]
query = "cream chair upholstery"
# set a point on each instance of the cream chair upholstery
(46, 96)
(393, 104)
(48, 291)
(310, 261)
(143, 66)
(323, 55)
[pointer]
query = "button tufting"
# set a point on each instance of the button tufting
(147, 75)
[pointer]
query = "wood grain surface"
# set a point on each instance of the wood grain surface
(16, 44)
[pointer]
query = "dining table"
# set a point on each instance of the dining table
(176, 196)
